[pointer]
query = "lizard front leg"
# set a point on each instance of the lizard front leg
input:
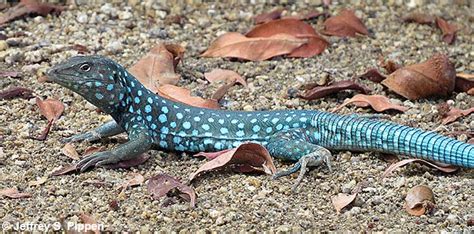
(139, 142)
(108, 129)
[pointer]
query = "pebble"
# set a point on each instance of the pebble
(452, 219)
(82, 18)
(114, 47)
(3, 45)
(125, 15)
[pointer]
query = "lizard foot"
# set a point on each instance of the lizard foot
(97, 159)
(319, 157)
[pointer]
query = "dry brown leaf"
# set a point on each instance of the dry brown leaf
(133, 179)
(464, 83)
(449, 30)
(13, 193)
(322, 91)
(266, 17)
(228, 76)
(70, 151)
(39, 181)
(183, 95)
(342, 200)
(29, 7)
(12, 74)
(252, 154)
(346, 24)
(419, 200)
(373, 75)
(378, 102)
(236, 45)
(454, 113)
(52, 110)
(420, 18)
(393, 167)
(92, 149)
(14, 92)
(161, 184)
(389, 65)
(65, 170)
(315, 43)
(158, 66)
(435, 76)
(91, 222)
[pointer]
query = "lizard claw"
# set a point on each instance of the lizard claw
(319, 157)
(96, 159)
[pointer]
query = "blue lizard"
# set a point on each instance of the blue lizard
(303, 136)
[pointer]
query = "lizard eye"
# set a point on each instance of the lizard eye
(85, 67)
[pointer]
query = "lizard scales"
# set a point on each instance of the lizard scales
(297, 135)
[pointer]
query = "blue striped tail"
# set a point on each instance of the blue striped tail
(365, 134)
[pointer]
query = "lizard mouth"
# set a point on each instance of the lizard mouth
(66, 79)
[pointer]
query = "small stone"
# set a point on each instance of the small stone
(248, 108)
(125, 15)
(107, 9)
(347, 188)
(214, 213)
(452, 219)
(3, 45)
(161, 14)
(82, 18)
(114, 46)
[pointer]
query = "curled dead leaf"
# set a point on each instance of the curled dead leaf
(464, 83)
(236, 45)
(454, 113)
(52, 110)
(266, 17)
(342, 200)
(420, 18)
(159, 186)
(322, 91)
(252, 154)
(389, 65)
(14, 92)
(29, 7)
(435, 76)
(228, 77)
(378, 102)
(315, 43)
(158, 66)
(373, 75)
(133, 179)
(13, 193)
(419, 200)
(92, 149)
(39, 181)
(65, 170)
(345, 24)
(183, 95)
(449, 30)
(70, 151)
(393, 167)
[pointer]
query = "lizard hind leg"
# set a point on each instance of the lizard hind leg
(294, 145)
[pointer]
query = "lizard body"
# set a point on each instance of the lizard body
(303, 136)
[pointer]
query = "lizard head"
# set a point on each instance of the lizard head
(98, 79)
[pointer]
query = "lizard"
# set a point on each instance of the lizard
(303, 136)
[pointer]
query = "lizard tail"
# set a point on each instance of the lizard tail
(365, 134)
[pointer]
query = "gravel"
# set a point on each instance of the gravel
(227, 200)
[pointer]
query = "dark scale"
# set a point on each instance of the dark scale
(303, 136)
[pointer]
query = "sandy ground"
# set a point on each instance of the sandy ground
(227, 200)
